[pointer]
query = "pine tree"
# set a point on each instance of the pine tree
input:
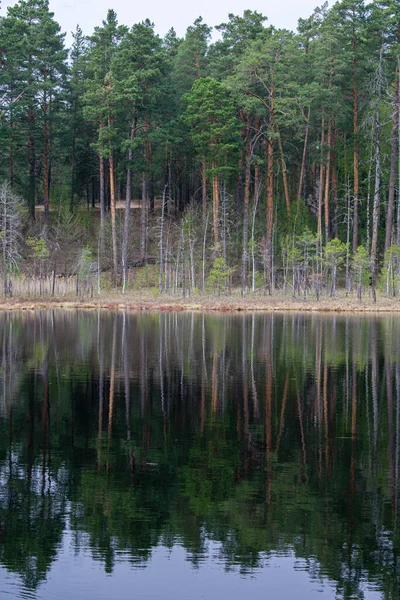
(211, 115)
(40, 58)
(99, 108)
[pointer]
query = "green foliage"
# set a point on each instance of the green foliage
(211, 115)
(196, 119)
(86, 271)
(33, 88)
(220, 274)
(85, 262)
(146, 277)
(335, 253)
(391, 270)
(360, 269)
(39, 248)
(360, 264)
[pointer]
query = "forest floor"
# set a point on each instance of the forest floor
(146, 300)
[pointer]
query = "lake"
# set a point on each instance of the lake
(184, 456)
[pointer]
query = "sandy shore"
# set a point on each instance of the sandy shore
(233, 303)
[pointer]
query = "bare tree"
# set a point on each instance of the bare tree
(10, 233)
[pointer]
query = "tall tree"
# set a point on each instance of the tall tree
(140, 68)
(349, 18)
(42, 65)
(377, 189)
(391, 22)
(99, 108)
(261, 74)
(189, 64)
(211, 115)
(79, 132)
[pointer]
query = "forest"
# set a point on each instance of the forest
(252, 158)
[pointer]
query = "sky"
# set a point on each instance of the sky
(173, 13)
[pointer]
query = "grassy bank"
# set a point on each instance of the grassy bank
(233, 303)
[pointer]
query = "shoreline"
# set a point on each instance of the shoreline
(222, 304)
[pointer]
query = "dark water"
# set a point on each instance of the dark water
(181, 456)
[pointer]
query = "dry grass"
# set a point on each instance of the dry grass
(146, 300)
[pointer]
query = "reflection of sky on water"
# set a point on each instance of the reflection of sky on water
(168, 575)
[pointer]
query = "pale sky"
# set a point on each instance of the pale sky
(173, 13)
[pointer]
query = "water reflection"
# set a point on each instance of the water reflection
(240, 441)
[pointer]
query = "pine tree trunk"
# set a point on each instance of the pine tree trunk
(143, 221)
(11, 163)
(320, 198)
(102, 195)
(355, 153)
(284, 174)
(73, 152)
(393, 154)
(239, 185)
(270, 186)
(128, 195)
(215, 186)
(245, 253)
(327, 176)
(45, 171)
(45, 156)
(303, 160)
(50, 139)
(11, 156)
(321, 181)
(32, 162)
(375, 214)
(113, 218)
(161, 284)
(150, 177)
(398, 169)
(335, 186)
(257, 189)
(71, 206)
(4, 244)
(270, 209)
(204, 186)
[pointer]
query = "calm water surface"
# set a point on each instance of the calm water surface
(182, 456)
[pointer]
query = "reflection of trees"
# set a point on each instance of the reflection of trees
(266, 434)
(11, 372)
(31, 525)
